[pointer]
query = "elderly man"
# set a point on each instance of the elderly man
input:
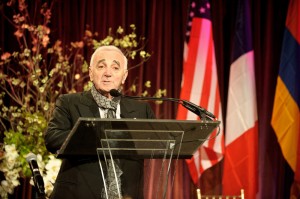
(81, 178)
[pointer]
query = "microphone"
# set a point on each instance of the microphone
(198, 110)
(37, 177)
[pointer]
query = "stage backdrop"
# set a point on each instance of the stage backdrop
(163, 23)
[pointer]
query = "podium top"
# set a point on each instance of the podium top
(85, 137)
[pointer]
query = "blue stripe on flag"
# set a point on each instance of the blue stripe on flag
(242, 42)
(289, 70)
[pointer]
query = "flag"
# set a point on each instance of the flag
(286, 117)
(200, 85)
(241, 133)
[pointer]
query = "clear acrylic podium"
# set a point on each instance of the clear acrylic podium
(113, 139)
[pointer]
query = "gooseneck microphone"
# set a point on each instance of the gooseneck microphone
(198, 110)
(36, 175)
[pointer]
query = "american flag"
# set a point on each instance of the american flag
(200, 84)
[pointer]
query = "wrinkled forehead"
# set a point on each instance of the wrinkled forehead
(109, 55)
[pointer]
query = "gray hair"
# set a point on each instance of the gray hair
(109, 48)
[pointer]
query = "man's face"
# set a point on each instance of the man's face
(108, 71)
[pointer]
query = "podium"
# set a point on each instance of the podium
(113, 139)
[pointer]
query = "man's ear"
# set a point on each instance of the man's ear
(124, 76)
(90, 74)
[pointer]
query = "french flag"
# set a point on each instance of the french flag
(241, 132)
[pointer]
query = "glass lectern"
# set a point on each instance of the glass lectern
(113, 139)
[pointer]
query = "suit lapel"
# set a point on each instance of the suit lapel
(88, 107)
(128, 109)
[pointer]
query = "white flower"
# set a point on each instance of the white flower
(10, 168)
(4, 183)
(52, 169)
(3, 193)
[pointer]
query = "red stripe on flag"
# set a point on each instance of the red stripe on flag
(206, 88)
(201, 169)
(240, 167)
(193, 169)
(189, 69)
(217, 113)
(293, 19)
(199, 86)
(189, 66)
(212, 156)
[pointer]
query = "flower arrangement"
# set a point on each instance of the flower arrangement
(32, 77)
(10, 167)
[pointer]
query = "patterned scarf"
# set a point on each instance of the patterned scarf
(105, 103)
(111, 107)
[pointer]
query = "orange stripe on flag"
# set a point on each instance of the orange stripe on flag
(285, 121)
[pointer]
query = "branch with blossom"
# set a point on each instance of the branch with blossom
(10, 167)
(129, 43)
(33, 76)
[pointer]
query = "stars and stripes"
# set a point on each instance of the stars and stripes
(200, 84)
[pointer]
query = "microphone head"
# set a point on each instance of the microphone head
(114, 93)
(30, 156)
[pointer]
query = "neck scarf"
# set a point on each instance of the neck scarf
(105, 103)
(111, 181)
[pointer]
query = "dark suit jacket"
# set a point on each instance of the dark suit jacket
(81, 178)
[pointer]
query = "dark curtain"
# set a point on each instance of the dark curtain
(163, 23)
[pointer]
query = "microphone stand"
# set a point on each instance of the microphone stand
(39, 195)
(201, 112)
